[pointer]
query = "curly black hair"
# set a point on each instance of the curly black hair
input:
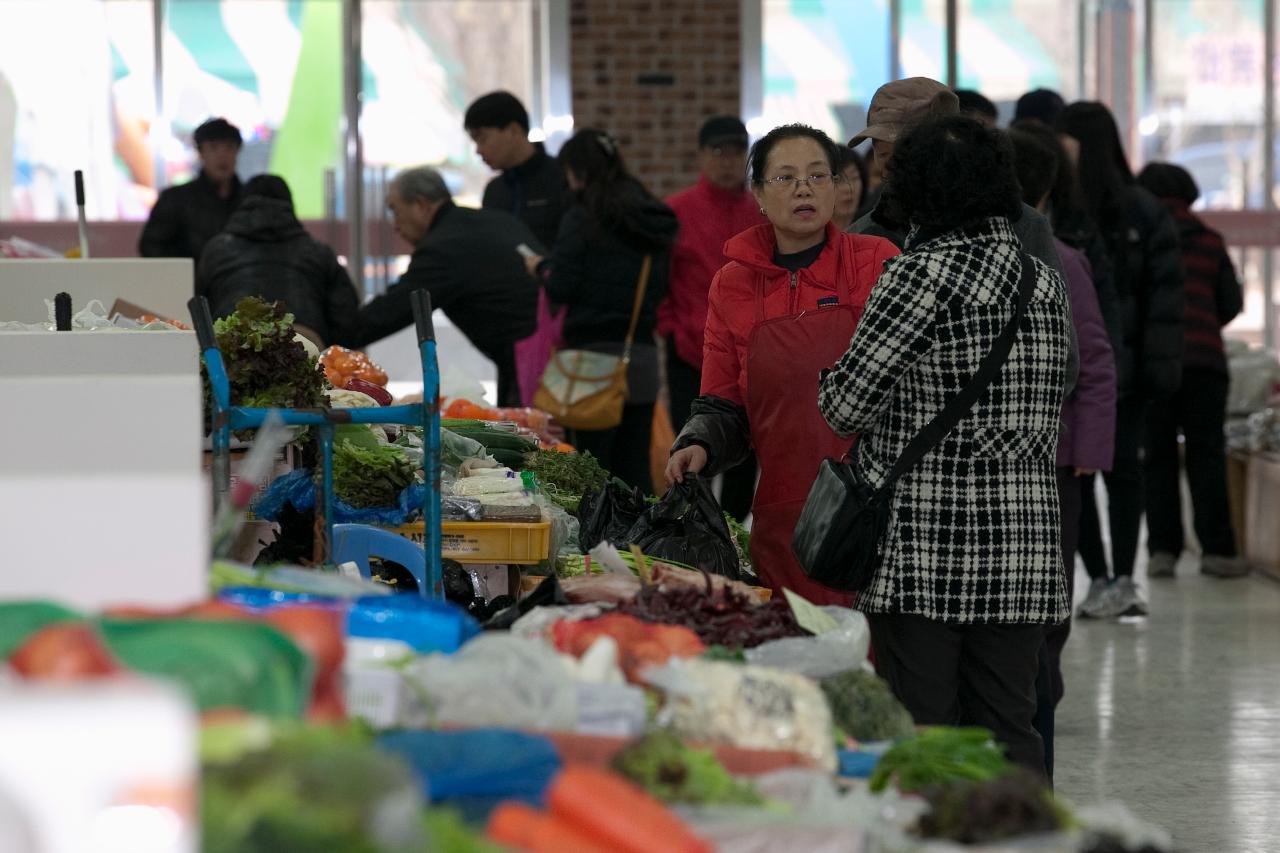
(759, 156)
(951, 172)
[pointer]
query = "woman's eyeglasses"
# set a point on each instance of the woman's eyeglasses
(817, 179)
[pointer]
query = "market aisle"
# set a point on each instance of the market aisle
(1179, 715)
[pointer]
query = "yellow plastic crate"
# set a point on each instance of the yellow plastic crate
(488, 541)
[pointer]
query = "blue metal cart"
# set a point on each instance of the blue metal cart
(227, 418)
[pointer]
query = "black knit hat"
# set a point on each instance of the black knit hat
(722, 130)
(217, 130)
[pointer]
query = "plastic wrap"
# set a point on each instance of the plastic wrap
(746, 706)
(826, 654)
(501, 680)
(1255, 372)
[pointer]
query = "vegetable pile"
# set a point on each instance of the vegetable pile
(640, 644)
(307, 789)
(939, 755)
(673, 772)
(726, 617)
(341, 365)
(370, 475)
(266, 367)
(981, 812)
(864, 707)
(503, 445)
(565, 477)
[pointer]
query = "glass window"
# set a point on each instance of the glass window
(76, 92)
(823, 60)
(1208, 90)
(425, 61)
(1009, 47)
(923, 43)
(1206, 114)
(273, 68)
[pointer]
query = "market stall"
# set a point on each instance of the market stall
(629, 688)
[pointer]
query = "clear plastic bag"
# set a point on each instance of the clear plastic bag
(822, 655)
(746, 706)
(499, 679)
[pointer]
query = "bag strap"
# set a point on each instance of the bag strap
(645, 266)
(958, 406)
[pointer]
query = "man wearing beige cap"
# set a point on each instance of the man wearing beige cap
(895, 109)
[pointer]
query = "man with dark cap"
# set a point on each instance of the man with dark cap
(532, 186)
(187, 216)
(1040, 104)
(717, 207)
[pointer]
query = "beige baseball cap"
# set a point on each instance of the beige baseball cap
(898, 105)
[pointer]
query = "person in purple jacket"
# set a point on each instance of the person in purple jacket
(1087, 442)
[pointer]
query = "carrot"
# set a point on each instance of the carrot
(524, 828)
(618, 814)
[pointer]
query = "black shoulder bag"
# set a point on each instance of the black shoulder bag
(837, 539)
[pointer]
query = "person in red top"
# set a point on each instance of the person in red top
(711, 211)
(1198, 409)
(782, 310)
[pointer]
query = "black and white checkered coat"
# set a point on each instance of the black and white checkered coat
(974, 531)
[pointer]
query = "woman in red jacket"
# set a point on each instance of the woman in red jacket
(782, 310)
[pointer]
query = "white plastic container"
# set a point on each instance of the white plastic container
(104, 766)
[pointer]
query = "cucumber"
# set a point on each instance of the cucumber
(497, 440)
(511, 458)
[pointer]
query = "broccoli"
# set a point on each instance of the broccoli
(864, 707)
(673, 772)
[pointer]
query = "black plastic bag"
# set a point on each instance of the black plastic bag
(547, 594)
(608, 515)
(687, 526)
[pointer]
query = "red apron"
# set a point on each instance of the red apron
(784, 357)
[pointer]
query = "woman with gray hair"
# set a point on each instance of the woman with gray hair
(466, 259)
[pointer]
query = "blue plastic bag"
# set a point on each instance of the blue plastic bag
(477, 769)
(299, 489)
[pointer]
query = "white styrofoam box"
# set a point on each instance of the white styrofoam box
(107, 766)
(101, 497)
(160, 285)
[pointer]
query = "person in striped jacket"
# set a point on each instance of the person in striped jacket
(1198, 410)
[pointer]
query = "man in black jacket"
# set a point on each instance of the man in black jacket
(265, 252)
(467, 261)
(187, 216)
(532, 185)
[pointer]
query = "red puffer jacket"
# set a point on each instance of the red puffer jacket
(856, 258)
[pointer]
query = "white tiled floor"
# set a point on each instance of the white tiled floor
(1178, 715)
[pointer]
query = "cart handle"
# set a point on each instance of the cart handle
(203, 322)
(421, 302)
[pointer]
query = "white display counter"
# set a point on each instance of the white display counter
(101, 497)
(160, 285)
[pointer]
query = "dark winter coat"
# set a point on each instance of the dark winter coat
(973, 533)
(185, 218)
(534, 192)
(1213, 293)
(469, 265)
(1146, 258)
(265, 252)
(1080, 233)
(595, 268)
(1089, 413)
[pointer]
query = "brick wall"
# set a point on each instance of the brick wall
(650, 72)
